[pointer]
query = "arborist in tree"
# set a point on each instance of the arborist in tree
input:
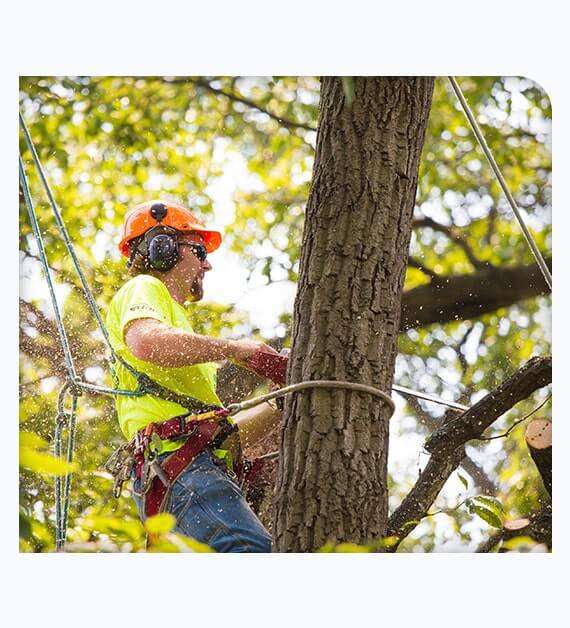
(183, 450)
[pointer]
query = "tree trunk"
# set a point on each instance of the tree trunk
(332, 476)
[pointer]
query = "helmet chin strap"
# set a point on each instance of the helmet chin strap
(133, 256)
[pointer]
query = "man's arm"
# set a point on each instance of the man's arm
(153, 341)
(256, 423)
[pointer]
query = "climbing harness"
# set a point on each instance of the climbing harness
(201, 432)
(204, 425)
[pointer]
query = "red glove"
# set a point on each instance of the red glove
(272, 366)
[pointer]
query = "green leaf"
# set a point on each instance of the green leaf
(351, 548)
(519, 544)
(487, 508)
(386, 542)
(25, 527)
(489, 516)
(32, 440)
(160, 524)
(327, 548)
(348, 86)
(119, 526)
(44, 464)
(409, 525)
(186, 543)
(491, 502)
(463, 481)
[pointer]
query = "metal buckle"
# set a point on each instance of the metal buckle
(157, 470)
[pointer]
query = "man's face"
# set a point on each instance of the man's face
(190, 270)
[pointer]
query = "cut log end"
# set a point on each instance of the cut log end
(516, 524)
(539, 434)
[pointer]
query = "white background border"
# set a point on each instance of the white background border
(296, 38)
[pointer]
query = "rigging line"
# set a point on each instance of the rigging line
(39, 241)
(325, 383)
(65, 235)
(233, 408)
(69, 245)
(68, 475)
(58, 482)
(485, 148)
(426, 397)
(104, 390)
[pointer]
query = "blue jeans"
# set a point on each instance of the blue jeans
(210, 507)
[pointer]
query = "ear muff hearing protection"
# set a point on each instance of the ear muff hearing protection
(158, 249)
(163, 251)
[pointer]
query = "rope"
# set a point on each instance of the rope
(65, 235)
(419, 395)
(63, 486)
(233, 408)
(485, 148)
(39, 240)
(69, 245)
(68, 475)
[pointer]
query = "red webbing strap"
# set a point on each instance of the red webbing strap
(172, 427)
(254, 483)
(252, 470)
(177, 462)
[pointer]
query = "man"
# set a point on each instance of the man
(168, 249)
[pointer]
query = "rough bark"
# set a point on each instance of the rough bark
(332, 477)
(539, 442)
(461, 297)
(447, 447)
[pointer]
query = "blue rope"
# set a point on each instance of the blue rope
(46, 268)
(65, 235)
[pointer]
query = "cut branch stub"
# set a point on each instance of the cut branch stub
(539, 441)
(516, 524)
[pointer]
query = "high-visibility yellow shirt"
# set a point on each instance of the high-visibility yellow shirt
(145, 296)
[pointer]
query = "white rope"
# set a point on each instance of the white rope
(483, 144)
(420, 395)
(316, 383)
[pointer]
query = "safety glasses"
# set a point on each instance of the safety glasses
(199, 249)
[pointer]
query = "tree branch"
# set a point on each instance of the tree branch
(283, 121)
(456, 236)
(462, 297)
(475, 472)
(415, 263)
(446, 444)
(535, 374)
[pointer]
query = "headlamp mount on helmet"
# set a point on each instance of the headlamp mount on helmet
(158, 211)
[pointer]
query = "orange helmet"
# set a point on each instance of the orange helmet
(147, 215)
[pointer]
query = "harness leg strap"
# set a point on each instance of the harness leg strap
(175, 464)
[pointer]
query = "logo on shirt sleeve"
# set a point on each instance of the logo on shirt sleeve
(141, 307)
